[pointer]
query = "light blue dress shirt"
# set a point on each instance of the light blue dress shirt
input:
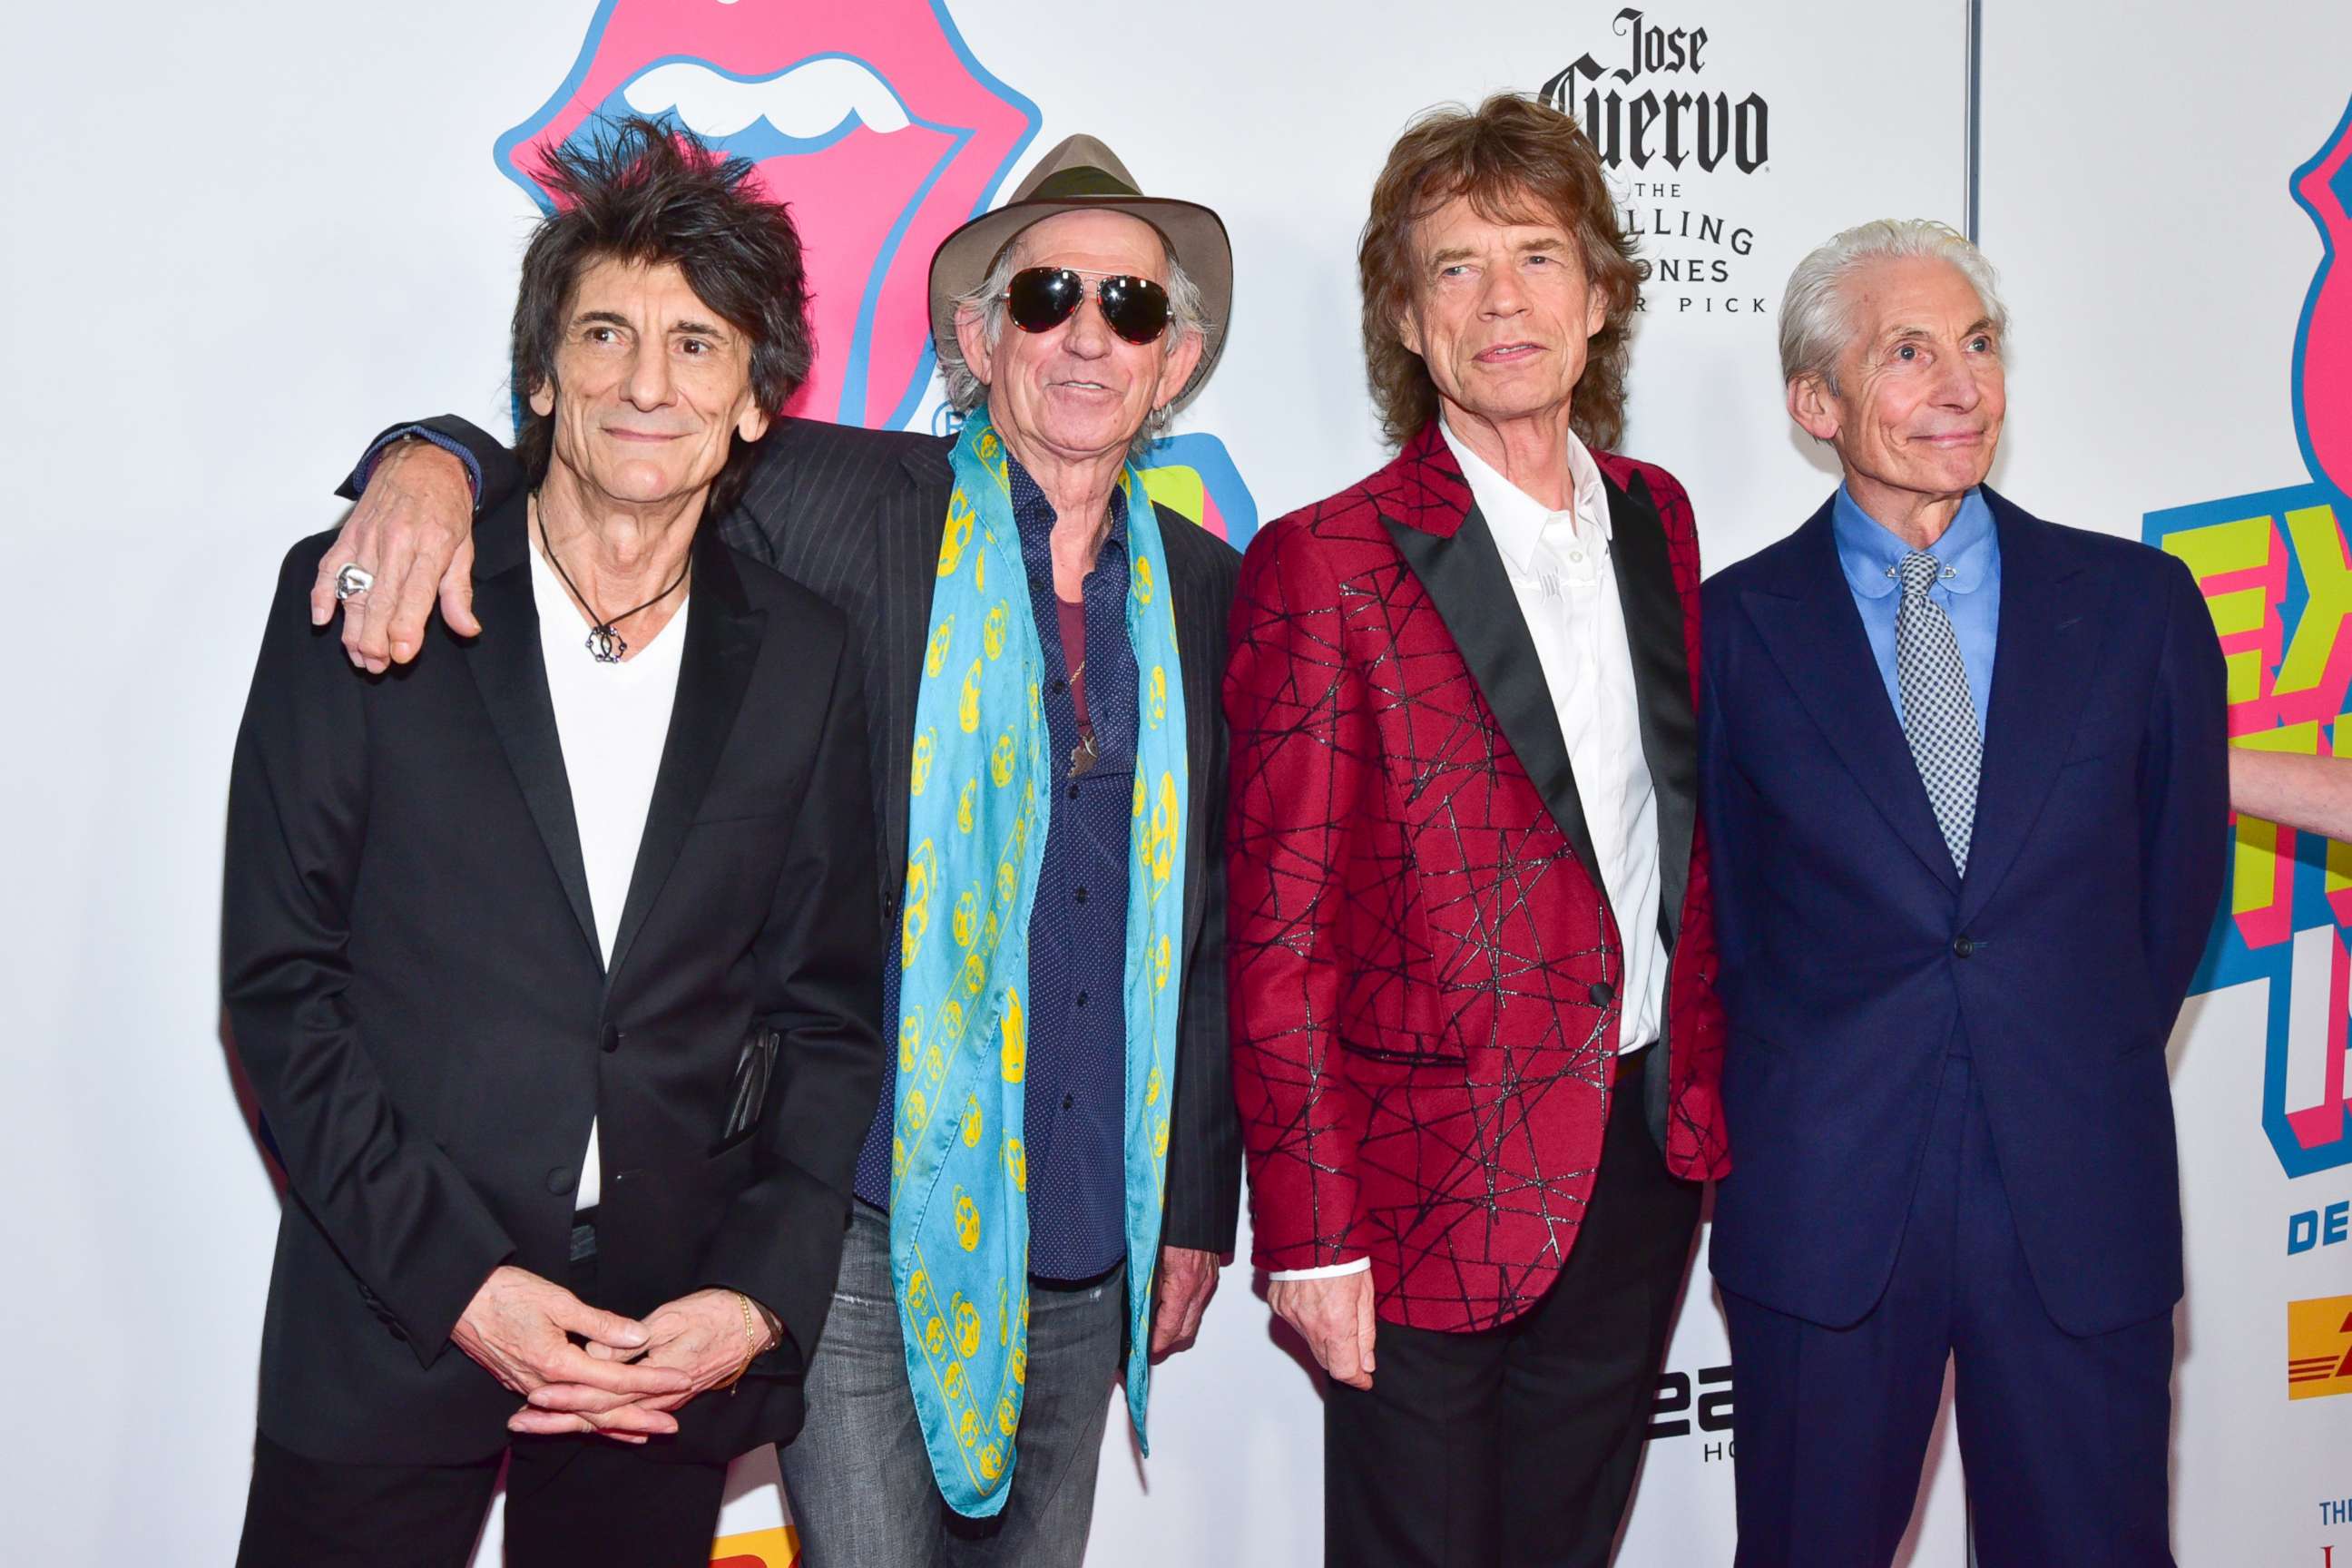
(1968, 588)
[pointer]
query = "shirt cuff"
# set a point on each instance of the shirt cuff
(1328, 1271)
(454, 448)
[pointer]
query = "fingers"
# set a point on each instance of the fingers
(595, 1323)
(578, 1399)
(1367, 1330)
(1337, 1353)
(404, 625)
(367, 636)
(458, 591)
(631, 1424)
(573, 1365)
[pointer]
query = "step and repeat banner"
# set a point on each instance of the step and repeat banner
(242, 244)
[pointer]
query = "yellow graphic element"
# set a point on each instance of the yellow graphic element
(935, 658)
(1159, 850)
(2319, 1347)
(778, 1547)
(980, 569)
(1164, 961)
(961, 518)
(897, 1157)
(966, 921)
(917, 1112)
(968, 1428)
(935, 1336)
(952, 1382)
(991, 631)
(917, 917)
(1159, 1140)
(1138, 792)
(1008, 1415)
(1016, 1165)
(967, 1318)
(1000, 760)
(1020, 1362)
(1179, 488)
(1151, 1088)
(987, 446)
(910, 1034)
(1143, 589)
(918, 1285)
(1155, 705)
(967, 1223)
(1008, 880)
(964, 804)
(975, 973)
(1016, 1038)
(951, 1020)
(992, 1462)
(967, 706)
(934, 1066)
(973, 1121)
(925, 751)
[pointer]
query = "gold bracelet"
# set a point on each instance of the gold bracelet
(750, 1342)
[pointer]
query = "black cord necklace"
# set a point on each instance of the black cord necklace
(605, 643)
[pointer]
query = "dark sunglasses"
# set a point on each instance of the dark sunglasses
(1040, 298)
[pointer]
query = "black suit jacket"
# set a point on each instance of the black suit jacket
(417, 991)
(858, 516)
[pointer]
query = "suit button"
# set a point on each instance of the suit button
(612, 1041)
(1082, 998)
(1601, 993)
(562, 1179)
(1081, 895)
(1963, 947)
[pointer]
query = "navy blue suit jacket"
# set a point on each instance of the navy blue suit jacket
(1854, 957)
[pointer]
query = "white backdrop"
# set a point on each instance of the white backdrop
(240, 242)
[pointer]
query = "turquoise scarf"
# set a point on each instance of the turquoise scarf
(980, 798)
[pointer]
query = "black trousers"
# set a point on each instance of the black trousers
(570, 1501)
(1515, 1447)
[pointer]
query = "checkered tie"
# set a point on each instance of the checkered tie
(1938, 719)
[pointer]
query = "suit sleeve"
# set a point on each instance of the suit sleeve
(2185, 793)
(1204, 1157)
(1725, 803)
(1301, 732)
(494, 470)
(400, 1214)
(821, 991)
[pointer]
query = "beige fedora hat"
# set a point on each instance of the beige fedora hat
(1080, 174)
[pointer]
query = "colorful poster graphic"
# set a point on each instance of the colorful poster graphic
(2274, 570)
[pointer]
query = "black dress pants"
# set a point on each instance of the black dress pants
(1515, 1447)
(570, 1501)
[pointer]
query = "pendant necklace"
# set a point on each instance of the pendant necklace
(605, 643)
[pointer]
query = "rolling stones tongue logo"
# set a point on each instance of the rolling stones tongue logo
(870, 116)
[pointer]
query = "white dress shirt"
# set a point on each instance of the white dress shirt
(613, 721)
(1558, 566)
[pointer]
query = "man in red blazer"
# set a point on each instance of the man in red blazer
(1476, 1040)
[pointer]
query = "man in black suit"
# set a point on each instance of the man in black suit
(860, 517)
(546, 956)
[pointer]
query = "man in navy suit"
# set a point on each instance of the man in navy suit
(1965, 778)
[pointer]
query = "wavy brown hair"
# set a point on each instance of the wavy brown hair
(1517, 161)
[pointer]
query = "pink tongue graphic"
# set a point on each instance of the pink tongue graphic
(2324, 395)
(871, 205)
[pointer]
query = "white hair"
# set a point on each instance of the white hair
(966, 391)
(1817, 319)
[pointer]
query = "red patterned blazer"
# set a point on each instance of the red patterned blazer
(1423, 966)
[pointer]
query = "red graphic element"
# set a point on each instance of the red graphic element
(864, 115)
(1401, 900)
(2324, 362)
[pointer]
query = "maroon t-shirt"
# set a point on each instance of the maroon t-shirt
(1074, 657)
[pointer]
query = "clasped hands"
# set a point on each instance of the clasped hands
(629, 1378)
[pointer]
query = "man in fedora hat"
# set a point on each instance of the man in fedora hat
(1053, 1174)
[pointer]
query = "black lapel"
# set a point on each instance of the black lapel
(1465, 580)
(1200, 640)
(1814, 634)
(512, 678)
(722, 643)
(1653, 633)
(913, 519)
(2042, 660)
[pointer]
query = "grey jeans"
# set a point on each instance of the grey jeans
(858, 1478)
